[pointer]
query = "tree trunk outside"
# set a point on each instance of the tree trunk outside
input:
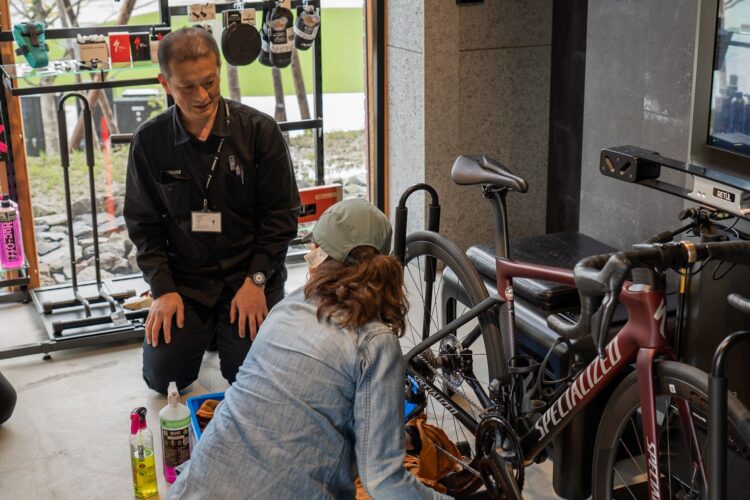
(233, 79)
(48, 104)
(299, 86)
(278, 92)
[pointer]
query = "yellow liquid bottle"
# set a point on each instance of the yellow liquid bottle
(144, 473)
(142, 461)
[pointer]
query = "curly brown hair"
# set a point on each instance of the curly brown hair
(352, 295)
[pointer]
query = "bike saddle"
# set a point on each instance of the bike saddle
(477, 169)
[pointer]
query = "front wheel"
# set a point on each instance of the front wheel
(620, 463)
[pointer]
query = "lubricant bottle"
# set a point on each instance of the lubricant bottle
(175, 432)
(306, 27)
(280, 26)
(142, 460)
(11, 238)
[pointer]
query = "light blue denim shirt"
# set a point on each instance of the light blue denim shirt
(313, 406)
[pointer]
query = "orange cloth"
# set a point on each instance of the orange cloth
(432, 465)
(206, 412)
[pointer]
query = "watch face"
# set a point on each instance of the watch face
(259, 278)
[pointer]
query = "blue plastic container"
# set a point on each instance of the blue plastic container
(194, 404)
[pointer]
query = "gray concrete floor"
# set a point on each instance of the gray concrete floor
(68, 436)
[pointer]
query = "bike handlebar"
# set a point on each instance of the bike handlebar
(739, 302)
(600, 278)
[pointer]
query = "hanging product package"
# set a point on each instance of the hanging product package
(240, 41)
(31, 43)
(307, 26)
(280, 29)
(265, 51)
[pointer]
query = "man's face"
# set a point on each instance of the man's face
(194, 86)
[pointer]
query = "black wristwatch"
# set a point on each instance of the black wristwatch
(259, 278)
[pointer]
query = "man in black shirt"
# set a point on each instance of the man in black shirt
(211, 204)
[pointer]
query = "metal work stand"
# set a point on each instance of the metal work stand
(21, 281)
(73, 314)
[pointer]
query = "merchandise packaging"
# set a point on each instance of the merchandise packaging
(92, 48)
(240, 41)
(155, 36)
(119, 48)
(139, 47)
(201, 12)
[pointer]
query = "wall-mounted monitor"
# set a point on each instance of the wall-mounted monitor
(720, 118)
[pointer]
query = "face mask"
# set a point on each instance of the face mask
(315, 257)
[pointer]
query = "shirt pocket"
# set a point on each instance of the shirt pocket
(176, 197)
(240, 190)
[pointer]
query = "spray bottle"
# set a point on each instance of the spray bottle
(175, 432)
(142, 455)
(11, 239)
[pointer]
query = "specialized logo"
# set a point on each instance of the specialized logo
(653, 471)
(427, 388)
(580, 388)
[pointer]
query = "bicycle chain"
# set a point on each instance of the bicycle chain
(458, 461)
(455, 388)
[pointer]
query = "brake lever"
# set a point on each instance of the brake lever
(619, 267)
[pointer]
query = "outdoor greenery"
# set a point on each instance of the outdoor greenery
(344, 153)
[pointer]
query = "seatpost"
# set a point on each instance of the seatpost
(496, 198)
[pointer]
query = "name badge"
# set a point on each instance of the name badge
(206, 222)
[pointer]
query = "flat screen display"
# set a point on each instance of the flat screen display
(729, 125)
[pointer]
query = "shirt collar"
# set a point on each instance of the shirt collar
(220, 127)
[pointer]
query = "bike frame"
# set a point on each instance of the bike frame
(641, 341)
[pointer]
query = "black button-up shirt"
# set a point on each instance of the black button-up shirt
(253, 187)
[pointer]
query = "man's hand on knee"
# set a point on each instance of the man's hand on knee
(160, 317)
(249, 307)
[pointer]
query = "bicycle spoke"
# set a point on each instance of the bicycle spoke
(631, 456)
(625, 484)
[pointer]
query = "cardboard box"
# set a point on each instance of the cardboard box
(140, 47)
(119, 48)
(316, 199)
(87, 52)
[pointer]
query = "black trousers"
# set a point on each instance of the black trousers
(180, 360)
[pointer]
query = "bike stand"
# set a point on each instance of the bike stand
(717, 418)
(92, 313)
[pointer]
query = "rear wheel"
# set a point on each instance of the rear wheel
(620, 464)
(456, 371)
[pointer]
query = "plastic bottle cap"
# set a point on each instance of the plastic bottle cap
(137, 420)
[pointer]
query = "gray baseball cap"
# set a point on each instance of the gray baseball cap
(349, 224)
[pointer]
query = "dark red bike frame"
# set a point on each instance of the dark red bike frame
(641, 340)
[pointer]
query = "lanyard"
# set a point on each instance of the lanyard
(217, 155)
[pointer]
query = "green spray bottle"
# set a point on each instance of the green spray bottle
(142, 459)
(175, 433)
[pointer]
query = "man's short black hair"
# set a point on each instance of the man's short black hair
(186, 44)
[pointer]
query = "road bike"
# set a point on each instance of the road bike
(504, 409)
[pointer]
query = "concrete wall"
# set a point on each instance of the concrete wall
(470, 79)
(639, 61)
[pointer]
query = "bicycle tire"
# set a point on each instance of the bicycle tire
(419, 246)
(618, 430)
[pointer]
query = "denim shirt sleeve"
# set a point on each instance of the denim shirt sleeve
(379, 421)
